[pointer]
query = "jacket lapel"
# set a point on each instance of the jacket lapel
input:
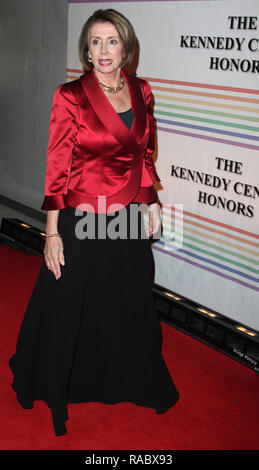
(129, 138)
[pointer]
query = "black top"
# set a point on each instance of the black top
(127, 117)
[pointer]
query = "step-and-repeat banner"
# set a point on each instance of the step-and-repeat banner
(201, 59)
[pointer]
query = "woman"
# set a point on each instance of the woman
(91, 330)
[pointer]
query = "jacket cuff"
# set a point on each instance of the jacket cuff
(146, 195)
(54, 202)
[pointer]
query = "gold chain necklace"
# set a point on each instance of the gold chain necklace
(112, 89)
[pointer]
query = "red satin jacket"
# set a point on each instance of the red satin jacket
(93, 160)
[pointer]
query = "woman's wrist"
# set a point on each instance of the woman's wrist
(51, 231)
(56, 234)
(52, 222)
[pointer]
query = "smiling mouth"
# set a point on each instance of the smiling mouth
(105, 61)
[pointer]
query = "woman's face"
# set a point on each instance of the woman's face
(105, 47)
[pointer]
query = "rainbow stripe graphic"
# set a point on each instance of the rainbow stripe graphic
(229, 252)
(228, 115)
(222, 114)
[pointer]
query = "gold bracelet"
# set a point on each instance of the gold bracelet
(54, 235)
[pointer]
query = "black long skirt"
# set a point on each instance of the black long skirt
(93, 334)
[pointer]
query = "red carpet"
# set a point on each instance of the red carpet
(218, 407)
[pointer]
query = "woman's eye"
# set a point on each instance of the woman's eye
(112, 42)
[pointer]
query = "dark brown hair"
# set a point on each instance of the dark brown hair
(125, 31)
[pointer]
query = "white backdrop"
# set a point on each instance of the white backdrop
(202, 62)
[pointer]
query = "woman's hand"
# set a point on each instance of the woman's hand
(54, 255)
(154, 227)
